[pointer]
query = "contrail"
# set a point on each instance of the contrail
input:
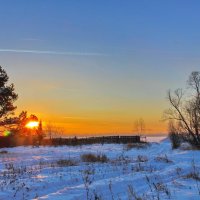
(52, 52)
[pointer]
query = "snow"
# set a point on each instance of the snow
(153, 172)
(155, 138)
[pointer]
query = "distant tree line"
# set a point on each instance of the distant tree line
(24, 141)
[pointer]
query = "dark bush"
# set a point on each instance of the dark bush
(175, 139)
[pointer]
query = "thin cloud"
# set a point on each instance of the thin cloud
(67, 53)
(32, 39)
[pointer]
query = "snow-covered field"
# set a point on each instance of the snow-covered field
(153, 172)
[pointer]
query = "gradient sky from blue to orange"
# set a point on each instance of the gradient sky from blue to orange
(97, 66)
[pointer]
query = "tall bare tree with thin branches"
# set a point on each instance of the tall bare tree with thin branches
(185, 110)
(139, 125)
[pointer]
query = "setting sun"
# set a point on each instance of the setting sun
(32, 124)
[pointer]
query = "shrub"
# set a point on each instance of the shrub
(94, 158)
(175, 139)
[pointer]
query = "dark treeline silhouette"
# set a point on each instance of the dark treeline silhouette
(12, 141)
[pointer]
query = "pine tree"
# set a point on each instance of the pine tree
(7, 96)
(40, 131)
(22, 120)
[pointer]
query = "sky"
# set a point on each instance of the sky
(94, 67)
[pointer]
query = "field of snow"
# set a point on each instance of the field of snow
(151, 172)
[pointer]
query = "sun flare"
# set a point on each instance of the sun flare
(32, 124)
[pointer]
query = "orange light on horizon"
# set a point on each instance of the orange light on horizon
(32, 124)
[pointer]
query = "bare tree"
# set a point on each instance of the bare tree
(186, 110)
(49, 130)
(136, 126)
(52, 131)
(139, 125)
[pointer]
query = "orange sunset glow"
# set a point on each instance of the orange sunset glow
(106, 118)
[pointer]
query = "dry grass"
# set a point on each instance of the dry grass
(94, 158)
(163, 159)
(66, 163)
(141, 158)
(130, 146)
(194, 176)
(3, 152)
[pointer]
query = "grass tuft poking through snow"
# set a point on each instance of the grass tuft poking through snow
(66, 163)
(89, 157)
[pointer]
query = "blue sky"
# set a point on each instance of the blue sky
(96, 66)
